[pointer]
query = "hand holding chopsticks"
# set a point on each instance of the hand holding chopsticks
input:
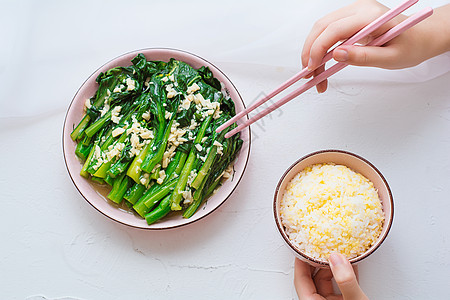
(387, 36)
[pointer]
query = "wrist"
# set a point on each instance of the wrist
(437, 32)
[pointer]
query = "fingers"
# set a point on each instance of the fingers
(345, 277)
(355, 269)
(318, 28)
(322, 280)
(303, 282)
(381, 57)
(327, 34)
(333, 33)
(339, 26)
(321, 86)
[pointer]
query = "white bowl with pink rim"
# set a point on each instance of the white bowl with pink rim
(357, 164)
(96, 194)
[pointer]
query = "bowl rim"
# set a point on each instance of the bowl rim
(315, 261)
(162, 227)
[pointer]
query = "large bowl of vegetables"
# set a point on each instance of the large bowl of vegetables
(140, 141)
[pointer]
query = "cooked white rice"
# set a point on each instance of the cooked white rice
(330, 208)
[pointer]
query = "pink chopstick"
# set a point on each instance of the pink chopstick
(387, 36)
(303, 73)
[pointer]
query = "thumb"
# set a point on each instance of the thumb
(345, 277)
(370, 56)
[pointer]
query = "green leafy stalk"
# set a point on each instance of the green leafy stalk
(109, 180)
(181, 185)
(97, 125)
(84, 170)
(160, 193)
(200, 192)
(151, 161)
(134, 171)
(79, 130)
(160, 212)
(102, 170)
(98, 180)
(134, 193)
(175, 166)
(156, 192)
(82, 151)
(152, 197)
(198, 198)
(118, 168)
(206, 168)
(213, 177)
(119, 189)
(155, 173)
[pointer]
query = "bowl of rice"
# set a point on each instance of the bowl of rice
(333, 201)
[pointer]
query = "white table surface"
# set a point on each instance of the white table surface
(56, 246)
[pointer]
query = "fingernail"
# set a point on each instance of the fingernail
(340, 55)
(310, 65)
(335, 259)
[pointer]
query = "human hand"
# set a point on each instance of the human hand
(310, 286)
(419, 43)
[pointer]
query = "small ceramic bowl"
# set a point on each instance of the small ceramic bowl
(357, 164)
(96, 194)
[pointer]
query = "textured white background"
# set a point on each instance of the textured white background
(56, 246)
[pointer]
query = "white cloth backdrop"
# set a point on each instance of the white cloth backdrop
(56, 246)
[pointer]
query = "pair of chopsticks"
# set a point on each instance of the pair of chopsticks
(381, 40)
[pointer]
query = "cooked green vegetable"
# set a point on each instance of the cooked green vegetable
(149, 132)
